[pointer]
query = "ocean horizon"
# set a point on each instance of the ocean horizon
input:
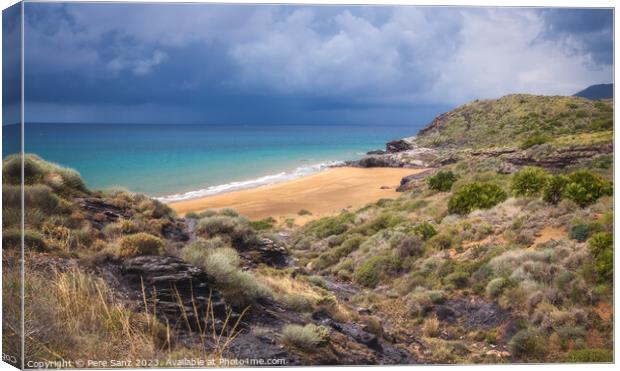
(178, 162)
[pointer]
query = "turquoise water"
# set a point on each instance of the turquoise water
(171, 160)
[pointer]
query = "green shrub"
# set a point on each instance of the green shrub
(425, 230)
(374, 269)
(37, 170)
(330, 226)
(410, 246)
(529, 181)
(442, 181)
(475, 196)
(237, 229)
(306, 337)
(140, 244)
(533, 140)
(584, 187)
(229, 212)
(554, 188)
(239, 287)
(263, 224)
(441, 241)
(579, 232)
(303, 212)
(457, 279)
(496, 286)
(525, 343)
(590, 355)
(601, 246)
(33, 240)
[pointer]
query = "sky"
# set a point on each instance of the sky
(265, 64)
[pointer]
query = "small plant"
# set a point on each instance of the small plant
(303, 212)
(374, 269)
(475, 196)
(579, 232)
(585, 187)
(496, 286)
(533, 140)
(441, 241)
(140, 244)
(425, 230)
(431, 327)
(458, 279)
(442, 181)
(590, 355)
(306, 337)
(263, 224)
(529, 181)
(525, 343)
(554, 188)
(601, 246)
(237, 229)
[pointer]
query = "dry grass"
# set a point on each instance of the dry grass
(74, 315)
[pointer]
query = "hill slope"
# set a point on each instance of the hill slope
(601, 91)
(515, 118)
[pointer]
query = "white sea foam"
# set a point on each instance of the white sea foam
(252, 183)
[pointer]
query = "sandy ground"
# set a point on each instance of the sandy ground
(324, 193)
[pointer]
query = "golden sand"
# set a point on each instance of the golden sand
(324, 193)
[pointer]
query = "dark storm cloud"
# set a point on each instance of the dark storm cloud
(288, 64)
(588, 31)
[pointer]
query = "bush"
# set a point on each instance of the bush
(525, 343)
(240, 288)
(475, 196)
(306, 337)
(37, 170)
(458, 279)
(425, 230)
(263, 224)
(601, 246)
(329, 226)
(496, 286)
(554, 188)
(33, 240)
(533, 140)
(441, 242)
(529, 181)
(410, 246)
(579, 232)
(584, 187)
(590, 355)
(442, 181)
(431, 327)
(237, 229)
(303, 212)
(371, 272)
(140, 244)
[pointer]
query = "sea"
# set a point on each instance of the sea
(175, 162)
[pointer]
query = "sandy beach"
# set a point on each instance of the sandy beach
(323, 193)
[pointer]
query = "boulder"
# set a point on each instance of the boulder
(399, 145)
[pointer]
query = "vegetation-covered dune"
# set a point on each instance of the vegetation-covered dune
(502, 253)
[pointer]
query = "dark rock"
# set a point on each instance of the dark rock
(399, 145)
(406, 182)
(99, 213)
(472, 313)
(377, 161)
(376, 152)
(385, 187)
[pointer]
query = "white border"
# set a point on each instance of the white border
(505, 3)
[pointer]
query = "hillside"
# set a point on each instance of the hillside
(601, 91)
(501, 252)
(515, 120)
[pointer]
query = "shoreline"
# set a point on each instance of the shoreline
(323, 193)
